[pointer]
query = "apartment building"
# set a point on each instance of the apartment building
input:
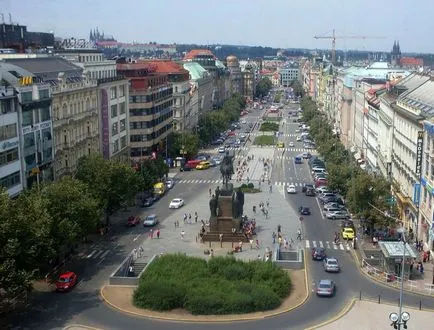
(288, 73)
(150, 109)
(26, 129)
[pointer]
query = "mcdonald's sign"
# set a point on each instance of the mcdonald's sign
(24, 81)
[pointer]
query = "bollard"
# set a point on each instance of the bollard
(379, 299)
(360, 295)
(420, 305)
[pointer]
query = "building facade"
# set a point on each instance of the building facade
(35, 128)
(288, 74)
(202, 84)
(150, 109)
(10, 152)
(236, 77)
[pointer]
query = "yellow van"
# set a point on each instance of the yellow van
(280, 144)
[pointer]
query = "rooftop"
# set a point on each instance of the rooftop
(196, 70)
(194, 53)
(396, 249)
(169, 67)
(12, 73)
(47, 68)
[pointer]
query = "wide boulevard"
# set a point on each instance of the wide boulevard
(83, 305)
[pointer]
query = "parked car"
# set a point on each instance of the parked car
(222, 150)
(66, 281)
(185, 168)
(318, 254)
(348, 224)
(331, 265)
(291, 189)
(150, 221)
(203, 165)
(326, 288)
(322, 189)
(321, 182)
(326, 195)
(304, 210)
(306, 155)
(337, 215)
(310, 192)
(169, 183)
(298, 137)
(147, 202)
(334, 205)
(176, 203)
(328, 208)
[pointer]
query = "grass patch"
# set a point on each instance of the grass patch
(264, 140)
(248, 188)
(222, 285)
(269, 127)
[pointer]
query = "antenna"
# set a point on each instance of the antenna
(10, 18)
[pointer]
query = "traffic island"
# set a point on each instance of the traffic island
(121, 298)
(264, 140)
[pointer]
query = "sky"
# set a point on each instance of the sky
(274, 23)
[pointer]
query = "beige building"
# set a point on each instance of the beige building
(75, 121)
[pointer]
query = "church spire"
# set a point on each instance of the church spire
(398, 49)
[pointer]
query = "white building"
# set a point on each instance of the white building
(10, 165)
(288, 73)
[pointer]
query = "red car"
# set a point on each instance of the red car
(66, 281)
(321, 182)
(133, 221)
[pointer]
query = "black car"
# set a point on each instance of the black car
(307, 186)
(147, 202)
(304, 210)
(185, 168)
(310, 192)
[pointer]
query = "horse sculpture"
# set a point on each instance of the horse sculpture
(227, 169)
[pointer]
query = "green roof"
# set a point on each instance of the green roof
(219, 64)
(196, 70)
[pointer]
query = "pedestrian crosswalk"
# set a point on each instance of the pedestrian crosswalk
(214, 181)
(280, 149)
(283, 184)
(195, 181)
(328, 245)
(97, 254)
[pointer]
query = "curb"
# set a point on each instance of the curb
(338, 316)
(373, 279)
(195, 320)
(80, 326)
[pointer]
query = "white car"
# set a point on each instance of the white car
(222, 150)
(176, 203)
(169, 184)
(290, 144)
(298, 138)
(291, 189)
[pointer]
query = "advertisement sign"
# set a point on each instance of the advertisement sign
(105, 124)
(416, 193)
(419, 152)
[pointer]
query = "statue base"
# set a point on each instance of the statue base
(227, 189)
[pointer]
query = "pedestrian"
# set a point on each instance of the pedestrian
(151, 233)
(210, 192)
(273, 235)
(189, 218)
(251, 244)
(134, 253)
(268, 204)
(195, 217)
(182, 234)
(185, 218)
(141, 251)
(158, 233)
(175, 224)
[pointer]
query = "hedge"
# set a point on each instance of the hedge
(221, 285)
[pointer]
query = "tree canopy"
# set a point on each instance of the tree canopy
(263, 87)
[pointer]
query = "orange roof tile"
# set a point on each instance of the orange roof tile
(164, 66)
(192, 54)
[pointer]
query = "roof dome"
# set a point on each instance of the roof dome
(232, 60)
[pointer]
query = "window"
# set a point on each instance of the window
(27, 118)
(44, 94)
(46, 134)
(427, 166)
(114, 110)
(29, 140)
(122, 125)
(114, 129)
(121, 90)
(10, 180)
(115, 146)
(121, 108)
(113, 93)
(8, 131)
(45, 114)
(8, 156)
(5, 106)
(26, 97)
(123, 142)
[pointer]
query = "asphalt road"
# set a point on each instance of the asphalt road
(83, 305)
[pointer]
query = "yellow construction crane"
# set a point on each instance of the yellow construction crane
(334, 37)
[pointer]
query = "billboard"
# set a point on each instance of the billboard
(105, 123)
(419, 153)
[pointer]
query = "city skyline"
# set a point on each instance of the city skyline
(278, 24)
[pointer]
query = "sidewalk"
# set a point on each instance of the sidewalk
(366, 315)
(420, 283)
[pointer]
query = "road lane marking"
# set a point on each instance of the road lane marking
(104, 254)
(321, 244)
(97, 254)
(307, 244)
(328, 244)
(314, 244)
(341, 246)
(137, 237)
(91, 254)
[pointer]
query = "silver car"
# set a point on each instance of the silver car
(331, 265)
(326, 288)
(337, 215)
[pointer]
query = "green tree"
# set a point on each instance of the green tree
(298, 88)
(114, 184)
(185, 141)
(339, 175)
(151, 171)
(76, 211)
(263, 87)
